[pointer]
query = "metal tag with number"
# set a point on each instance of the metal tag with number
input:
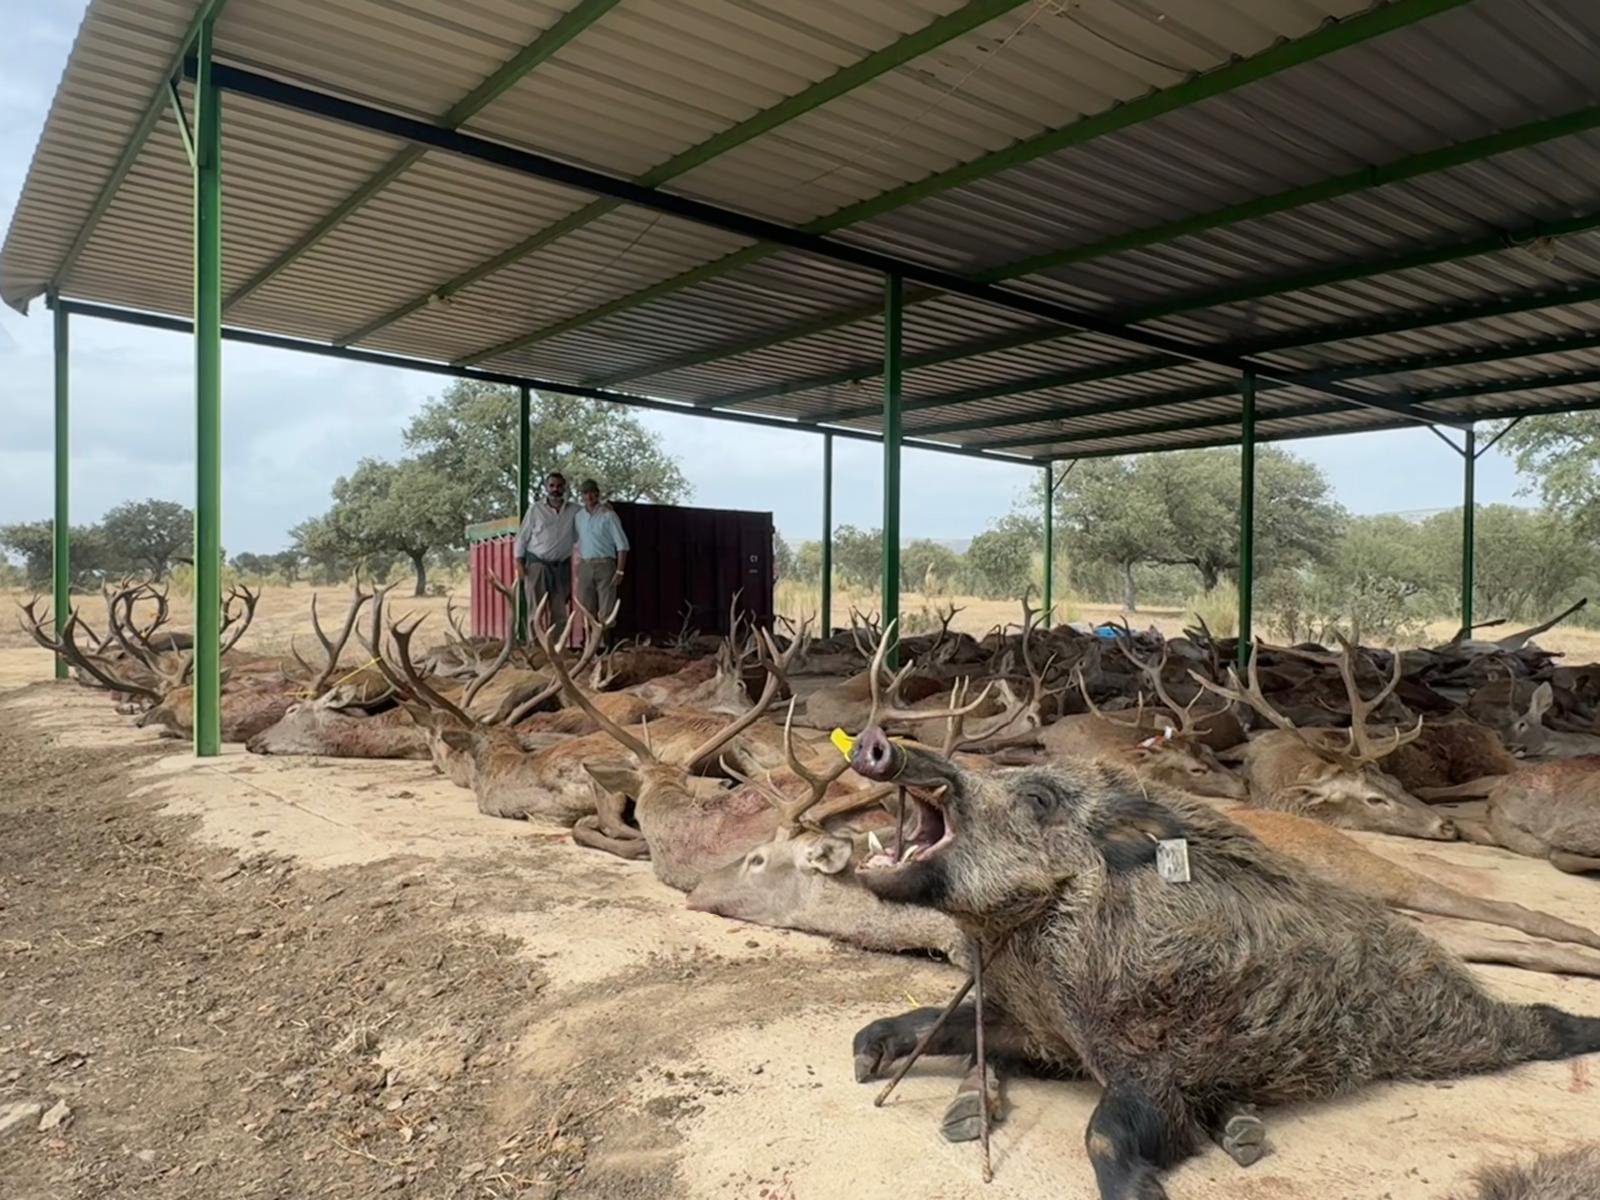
(1172, 860)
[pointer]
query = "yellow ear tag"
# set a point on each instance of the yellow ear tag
(843, 741)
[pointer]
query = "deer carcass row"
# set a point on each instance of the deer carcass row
(1184, 992)
(687, 829)
(1334, 780)
(1547, 810)
(345, 713)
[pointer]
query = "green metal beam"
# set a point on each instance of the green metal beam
(524, 486)
(61, 530)
(825, 615)
(1330, 38)
(1247, 515)
(1365, 179)
(897, 54)
(1049, 488)
(1253, 290)
(1469, 515)
(893, 376)
(1385, 425)
(1455, 391)
(536, 52)
(208, 403)
(1507, 352)
(208, 11)
(1362, 180)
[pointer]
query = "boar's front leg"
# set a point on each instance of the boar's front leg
(883, 1043)
(1136, 1131)
(960, 1122)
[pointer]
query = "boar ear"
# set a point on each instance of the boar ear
(827, 855)
(618, 777)
(1127, 828)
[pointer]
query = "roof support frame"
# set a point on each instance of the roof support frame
(1331, 37)
(338, 109)
(432, 367)
(952, 25)
(1198, 302)
(573, 22)
(1508, 414)
(1531, 348)
(1365, 179)
(1525, 383)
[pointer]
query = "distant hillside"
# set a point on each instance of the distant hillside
(958, 545)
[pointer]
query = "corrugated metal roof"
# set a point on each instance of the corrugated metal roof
(940, 151)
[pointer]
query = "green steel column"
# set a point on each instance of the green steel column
(894, 301)
(524, 485)
(61, 559)
(825, 615)
(1049, 537)
(1247, 514)
(1468, 525)
(208, 404)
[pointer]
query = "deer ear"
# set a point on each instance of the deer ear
(827, 855)
(1309, 796)
(1543, 697)
(457, 739)
(617, 777)
(421, 714)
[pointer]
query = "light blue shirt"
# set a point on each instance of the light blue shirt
(600, 533)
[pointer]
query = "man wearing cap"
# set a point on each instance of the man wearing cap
(544, 550)
(602, 552)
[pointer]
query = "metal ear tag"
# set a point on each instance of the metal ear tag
(1172, 860)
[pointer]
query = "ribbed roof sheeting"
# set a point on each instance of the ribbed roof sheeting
(633, 87)
(119, 57)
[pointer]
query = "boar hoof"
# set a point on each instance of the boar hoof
(878, 1046)
(1244, 1138)
(961, 1120)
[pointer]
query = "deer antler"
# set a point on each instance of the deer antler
(775, 664)
(334, 649)
(1361, 750)
(99, 672)
(1250, 696)
(881, 713)
(564, 682)
(1188, 724)
(401, 633)
(593, 632)
(238, 622)
(1112, 718)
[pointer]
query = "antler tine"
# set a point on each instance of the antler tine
(1152, 671)
(1113, 718)
(768, 790)
(955, 724)
(79, 659)
(1361, 749)
(715, 743)
(594, 628)
(335, 649)
(126, 636)
(249, 600)
(565, 684)
(419, 687)
(1250, 695)
(484, 675)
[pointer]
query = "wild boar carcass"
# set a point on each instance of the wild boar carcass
(1183, 999)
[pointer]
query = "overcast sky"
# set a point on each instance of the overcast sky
(293, 422)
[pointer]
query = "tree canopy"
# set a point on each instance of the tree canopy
(468, 434)
(463, 469)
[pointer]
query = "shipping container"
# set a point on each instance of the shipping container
(685, 562)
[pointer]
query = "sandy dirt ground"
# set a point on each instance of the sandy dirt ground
(285, 978)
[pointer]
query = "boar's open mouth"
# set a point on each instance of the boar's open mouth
(927, 830)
